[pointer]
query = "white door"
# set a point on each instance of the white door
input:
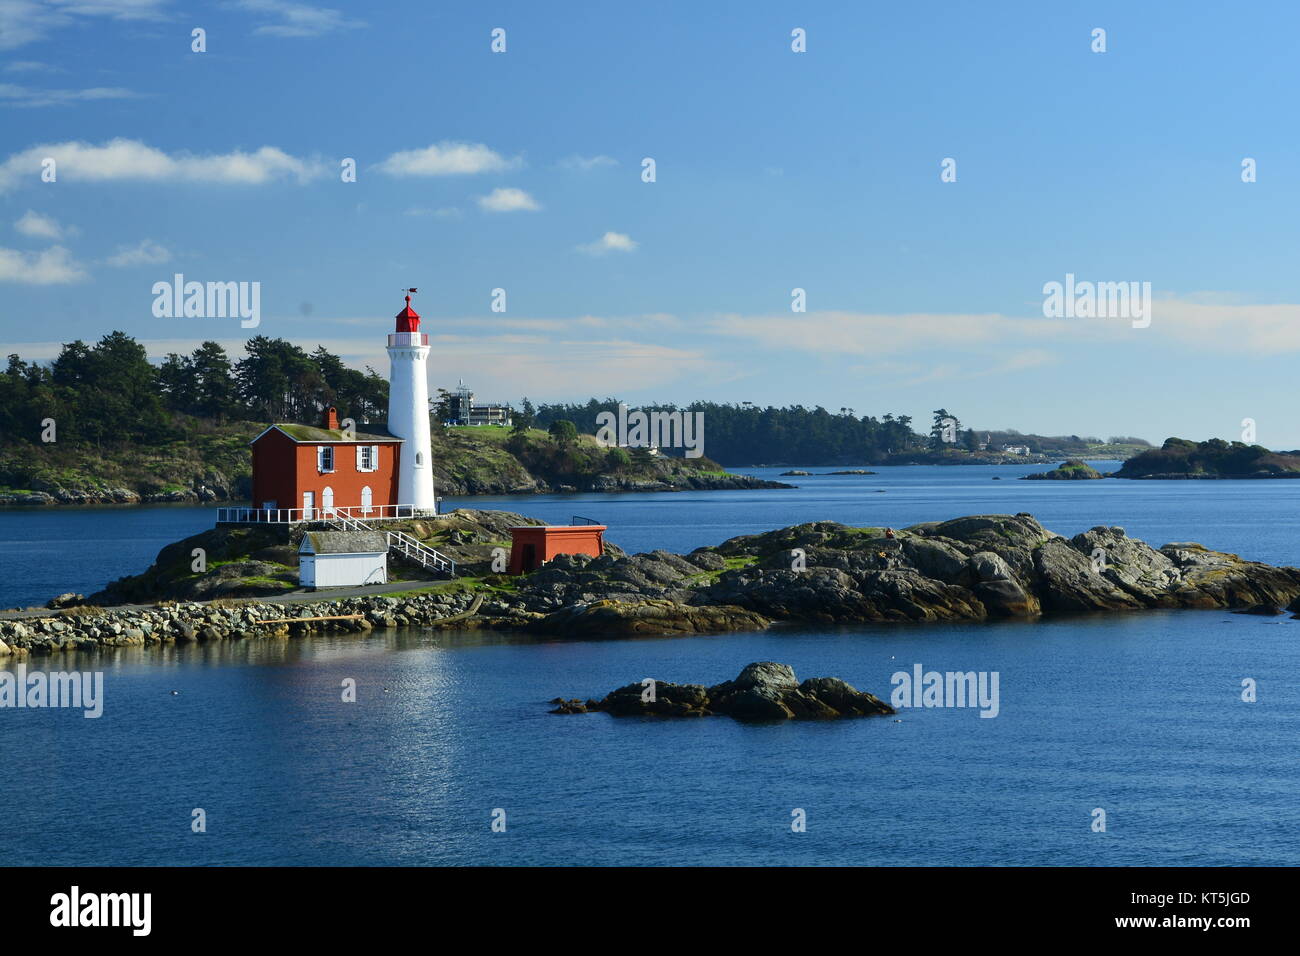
(367, 497)
(327, 501)
(308, 505)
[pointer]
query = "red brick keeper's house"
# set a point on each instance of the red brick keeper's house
(313, 470)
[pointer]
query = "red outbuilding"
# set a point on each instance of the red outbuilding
(531, 546)
(300, 471)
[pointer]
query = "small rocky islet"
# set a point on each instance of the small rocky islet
(800, 473)
(964, 569)
(1072, 470)
(764, 690)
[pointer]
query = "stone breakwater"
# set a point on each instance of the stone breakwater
(84, 629)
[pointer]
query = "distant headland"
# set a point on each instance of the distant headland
(1179, 458)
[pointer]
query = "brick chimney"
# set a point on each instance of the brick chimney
(331, 419)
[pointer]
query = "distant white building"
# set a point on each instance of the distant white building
(465, 411)
(1016, 449)
(338, 559)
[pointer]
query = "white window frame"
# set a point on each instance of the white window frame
(323, 452)
(362, 452)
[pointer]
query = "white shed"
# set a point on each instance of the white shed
(336, 559)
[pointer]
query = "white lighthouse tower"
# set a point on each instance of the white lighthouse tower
(408, 410)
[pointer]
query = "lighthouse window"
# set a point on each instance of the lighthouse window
(419, 459)
(325, 458)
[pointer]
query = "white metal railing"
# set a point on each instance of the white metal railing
(351, 519)
(295, 515)
(423, 555)
(408, 547)
(407, 338)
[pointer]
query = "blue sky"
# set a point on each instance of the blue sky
(775, 170)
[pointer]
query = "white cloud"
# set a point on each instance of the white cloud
(446, 159)
(838, 333)
(585, 164)
(128, 159)
(1218, 328)
(40, 226)
(298, 19)
(502, 367)
(32, 66)
(144, 253)
(508, 200)
(609, 242)
(25, 96)
(445, 212)
(26, 21)
(1209, 323)
(52, 266)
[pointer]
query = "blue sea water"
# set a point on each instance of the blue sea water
(1138, 714)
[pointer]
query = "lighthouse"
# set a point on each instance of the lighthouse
(408, 410)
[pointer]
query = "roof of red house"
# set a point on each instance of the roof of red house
(558, 527)
(310, 434)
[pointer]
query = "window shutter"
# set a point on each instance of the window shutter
(374, 457)
(320, 457)
(359, 459)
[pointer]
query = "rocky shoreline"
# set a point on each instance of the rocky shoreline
(109, 496)
(965, 569)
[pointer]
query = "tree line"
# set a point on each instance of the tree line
(746, 434)
(110, 392)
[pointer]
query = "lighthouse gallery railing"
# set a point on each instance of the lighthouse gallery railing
(295, 515)
(407, 338)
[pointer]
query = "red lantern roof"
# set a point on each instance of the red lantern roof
(408, 320)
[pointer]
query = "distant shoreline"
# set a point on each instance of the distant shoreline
(43, 500)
